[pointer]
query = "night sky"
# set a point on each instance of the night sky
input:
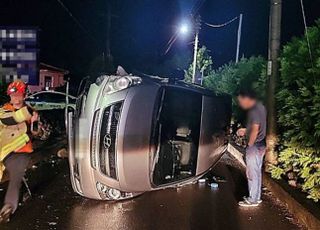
(140, 30)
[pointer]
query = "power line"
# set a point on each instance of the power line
(223, 24)
(77, 21)
(306, 31)
(71, 15)
(238, 34)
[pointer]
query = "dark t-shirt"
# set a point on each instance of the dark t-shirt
(257, 115)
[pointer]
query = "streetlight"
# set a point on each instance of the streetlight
(185, 29)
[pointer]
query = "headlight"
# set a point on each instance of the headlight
(107, 193)
(121, 83)
(117, 83)
(114, 194)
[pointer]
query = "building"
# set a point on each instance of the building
(50, 77)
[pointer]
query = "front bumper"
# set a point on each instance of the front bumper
(84, 179)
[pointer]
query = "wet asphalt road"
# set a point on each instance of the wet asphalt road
(55, 206)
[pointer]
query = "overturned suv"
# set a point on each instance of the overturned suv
(133, 134)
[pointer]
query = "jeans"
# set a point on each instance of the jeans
(254, 160)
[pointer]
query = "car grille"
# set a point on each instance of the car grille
(93, 140)
(108, 136)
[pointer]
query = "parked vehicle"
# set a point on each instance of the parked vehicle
(133, 134)
(49, 100)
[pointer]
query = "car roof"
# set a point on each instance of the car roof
(173, 82)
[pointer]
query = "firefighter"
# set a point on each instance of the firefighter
(16, 119)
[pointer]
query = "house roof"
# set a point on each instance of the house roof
(44, 67)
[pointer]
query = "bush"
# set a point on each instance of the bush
(299, 114)
(247, 73)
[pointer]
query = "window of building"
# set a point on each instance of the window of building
(48, 82)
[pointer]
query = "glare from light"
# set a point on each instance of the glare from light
(184, 29)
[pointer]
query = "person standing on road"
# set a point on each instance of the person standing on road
(255, 132)
(16, 120)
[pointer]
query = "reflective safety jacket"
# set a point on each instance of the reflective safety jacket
(14, 132)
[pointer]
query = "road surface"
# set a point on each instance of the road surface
(55, 206)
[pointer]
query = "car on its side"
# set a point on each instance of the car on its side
(132, 134)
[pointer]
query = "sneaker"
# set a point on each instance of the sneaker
(246, 198)
(246, 203)
(5, 213)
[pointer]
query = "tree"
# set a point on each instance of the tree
(204, 64)
(247, 73)
(298, 97)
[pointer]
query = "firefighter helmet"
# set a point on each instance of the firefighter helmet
(17, 86)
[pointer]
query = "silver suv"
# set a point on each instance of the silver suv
(133, 134)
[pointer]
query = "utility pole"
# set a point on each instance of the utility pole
(196, 44)
(239, 38)
(273, 75)
(195, 52)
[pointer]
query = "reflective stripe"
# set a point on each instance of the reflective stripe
(22, 115)
(21, 143)
(16, 144)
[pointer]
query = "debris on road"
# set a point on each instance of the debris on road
(62, 153)
(202, 180)
(218, 179)
(34, 167)
(52, 223)
(214, 185)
